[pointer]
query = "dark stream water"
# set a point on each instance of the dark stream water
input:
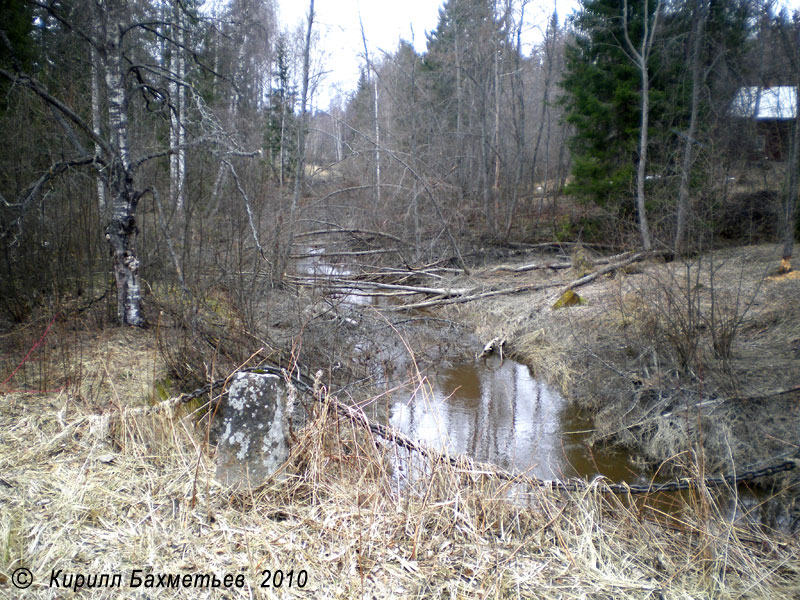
(499, 413)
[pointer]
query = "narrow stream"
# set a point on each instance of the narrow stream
(495, 411)
(499, 413)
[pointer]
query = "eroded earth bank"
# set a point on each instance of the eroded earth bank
(680, 363)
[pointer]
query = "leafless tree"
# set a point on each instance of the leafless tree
(791, 43)
(700, 14)
(301, 141)
(127, 74)
(641, 58)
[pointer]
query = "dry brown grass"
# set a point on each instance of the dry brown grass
(108, 486)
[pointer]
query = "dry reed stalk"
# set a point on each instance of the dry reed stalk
(135, 489)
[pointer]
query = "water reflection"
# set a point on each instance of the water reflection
(500, 413)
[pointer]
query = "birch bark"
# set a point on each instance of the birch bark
(301, 144)
(640, 58)
(700, 12)
(121, 230)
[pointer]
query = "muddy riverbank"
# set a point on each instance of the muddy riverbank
(683, 363)
(103, 473)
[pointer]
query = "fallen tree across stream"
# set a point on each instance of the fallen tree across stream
(554, 266)
(440, 296)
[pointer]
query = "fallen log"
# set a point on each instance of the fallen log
(554, 266)
(388, 236)
(357, 285)
(467, 465)
(529, 267)
(612, 267)
(492, 347)
(470, 297)
(326, 255)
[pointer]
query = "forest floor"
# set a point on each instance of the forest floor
(100, 474)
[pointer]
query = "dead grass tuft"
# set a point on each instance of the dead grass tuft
(106, 477)
(714, 331)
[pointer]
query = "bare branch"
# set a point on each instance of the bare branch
(26, 80)
(34, 191)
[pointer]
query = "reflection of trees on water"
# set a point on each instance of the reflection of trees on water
(504, 416)
(500, 415)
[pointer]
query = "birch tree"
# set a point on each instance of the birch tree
(177, 111)
(301, 142)
(372, 79)
(700, 12)
(121, 39)
(121, 230)
(790, 36)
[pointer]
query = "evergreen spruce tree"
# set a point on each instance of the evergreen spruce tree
(281, 131)
(602, 98)
(602, 103)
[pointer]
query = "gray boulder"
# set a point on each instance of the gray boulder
(252, 428)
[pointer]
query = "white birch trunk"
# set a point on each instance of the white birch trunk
(121, 231)
(496, 139)
(373, 79)
(94, 59)
(377, 142)
(301, 146)
(644, 228)
(683, 192)
(790, 207)
(640, 58)
(177, 132)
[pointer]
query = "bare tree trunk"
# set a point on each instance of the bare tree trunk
(641, 169)
(121, 230)
(488, 204)
(459, 93)
(339, 141)
(640, 58)
(700, 13)
(177, 133)
(518, 117)
(496, 142)
(301, 146)
(792, 46)
(96, 120)
(790, 206)
(282, 149)
(550, 47)
(374, 79)
(377, 142)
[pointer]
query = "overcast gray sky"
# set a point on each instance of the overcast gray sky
(385, 23)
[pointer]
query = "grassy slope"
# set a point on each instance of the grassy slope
(92, 482)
